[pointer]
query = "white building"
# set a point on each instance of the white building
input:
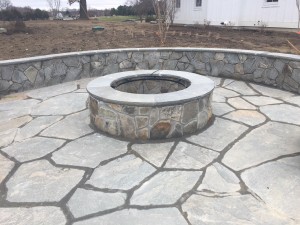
(273, 13)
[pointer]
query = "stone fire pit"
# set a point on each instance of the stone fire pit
(148, 104)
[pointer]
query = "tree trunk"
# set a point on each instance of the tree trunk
(83, 10)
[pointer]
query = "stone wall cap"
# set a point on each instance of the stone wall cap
(176, 49)
(101, 89)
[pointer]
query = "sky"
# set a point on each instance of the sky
(42, 4)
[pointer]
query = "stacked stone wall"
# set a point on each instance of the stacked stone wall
(272, 69)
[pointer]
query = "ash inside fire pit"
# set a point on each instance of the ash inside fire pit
(151, 84)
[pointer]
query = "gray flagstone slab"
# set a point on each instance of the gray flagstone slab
(89, 151)
(33, 148)
(72, 127)
(219, 135)
(85, 202)
(39, 181)
(188, 156)
(61, 105)
(272, 92)
(262, 100)
(277, 183)
(6, 166)
(164, 216)
(220, 179)
(36, 126)
(240, 103)
(123, 173)
(219, 108)
(241, 87)
(262, 144)
(249, 117)
(48, 92)
(165, 188)
(155, 153)
(33, 216)
(282, 113)
(243, 209)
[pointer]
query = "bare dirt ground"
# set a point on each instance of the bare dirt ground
(50, 37)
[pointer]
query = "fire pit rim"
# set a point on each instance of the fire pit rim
(101, 89)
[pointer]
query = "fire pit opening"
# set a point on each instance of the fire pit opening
(145, 84)
(147, 104)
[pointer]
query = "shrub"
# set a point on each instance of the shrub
(13, 14)
(149, 19)
(16, 27)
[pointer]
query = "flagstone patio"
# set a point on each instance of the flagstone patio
(242, 169)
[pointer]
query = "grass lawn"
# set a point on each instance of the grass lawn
(116, 18)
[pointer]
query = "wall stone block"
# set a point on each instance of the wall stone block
(255, 66)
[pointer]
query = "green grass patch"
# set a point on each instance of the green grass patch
(116, 18)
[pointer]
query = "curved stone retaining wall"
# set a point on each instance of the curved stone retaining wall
(273, 69)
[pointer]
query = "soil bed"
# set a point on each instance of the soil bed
(51, 37)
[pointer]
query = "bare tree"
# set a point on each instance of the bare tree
(298, 7)
(173, 8)
(141, 7)
(4, 4)
(165, 11)
(54, 7)
(83, 8)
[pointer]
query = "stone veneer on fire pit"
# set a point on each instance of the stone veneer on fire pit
(149, 104)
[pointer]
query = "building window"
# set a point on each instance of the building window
(270, 3)
(178, 3)
(198, 3)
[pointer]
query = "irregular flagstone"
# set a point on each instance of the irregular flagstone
(220, 179)
(155, 153)
(225, 92)
(165, 216)
(243, 209)
(123, 173)
(261, 100)
(294, 100)
(32, 148)
(220, 109)
(282, 113)
(7, 137)
(72, 127)
(188, 156)
(33, 216)
(272, 92)
(227, 82)
(39, 181)
(219, 135)
(165, 188)
(36, 126)
(218, 98)
(240, 103)
(61, 105)
(249, 117)
(6, 167)
(13, 97)
(48, 92)
(14, 123)
(13, 114)
(217, 80)
(277, 183)
(85, 202)
(89, 151)
(83, 82)
(264, 143)
(241, 87)
(18, 104)
(81, 91)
